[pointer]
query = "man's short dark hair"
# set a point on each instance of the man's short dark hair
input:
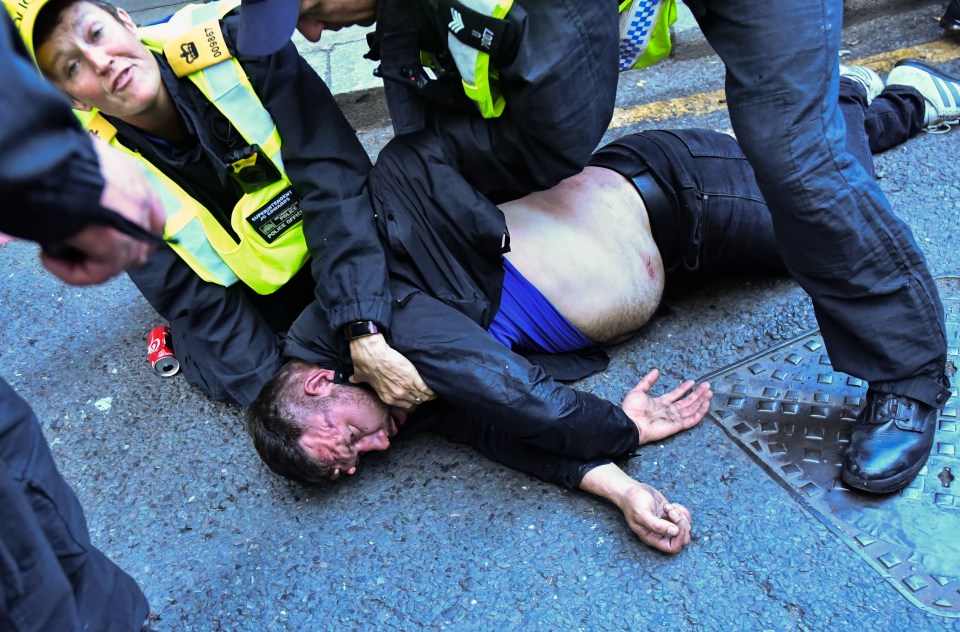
(274, 423)
(49, 17)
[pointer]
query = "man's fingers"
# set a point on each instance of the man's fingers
(677, 513)
(696, 399)
(646, 382)
(678, 392)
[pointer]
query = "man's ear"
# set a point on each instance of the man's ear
(319, 382)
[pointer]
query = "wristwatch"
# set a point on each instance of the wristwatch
(359, 329)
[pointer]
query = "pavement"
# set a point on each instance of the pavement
(431, 535)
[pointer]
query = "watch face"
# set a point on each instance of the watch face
(360, 329)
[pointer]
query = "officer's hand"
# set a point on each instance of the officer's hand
(391, 375)
(101, 252)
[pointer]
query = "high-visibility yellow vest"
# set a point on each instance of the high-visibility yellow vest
(271, 246)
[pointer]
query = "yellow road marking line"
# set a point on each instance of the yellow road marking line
(935, 52)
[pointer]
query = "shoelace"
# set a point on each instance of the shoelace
(942, 127)
(889, 409)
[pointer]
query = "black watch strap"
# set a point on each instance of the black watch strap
(359, 329)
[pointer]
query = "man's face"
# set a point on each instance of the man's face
(99, 62)
(355, 421)
(317, 16)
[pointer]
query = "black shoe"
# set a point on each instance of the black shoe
(951, 17)
(891, 441)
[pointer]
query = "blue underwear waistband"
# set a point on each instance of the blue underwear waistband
(527, 321)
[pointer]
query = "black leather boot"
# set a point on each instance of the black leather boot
(951, 17)
(890, 442)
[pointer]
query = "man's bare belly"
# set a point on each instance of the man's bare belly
(586, 245)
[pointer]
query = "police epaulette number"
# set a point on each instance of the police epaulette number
(200, 47)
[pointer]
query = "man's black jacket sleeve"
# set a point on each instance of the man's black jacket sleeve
(496, 442)
(328, 168)
(49, 173)
(471, 371)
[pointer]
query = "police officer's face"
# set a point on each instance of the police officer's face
(99, 62)
(317, 16)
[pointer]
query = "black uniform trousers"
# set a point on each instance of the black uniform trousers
(51, 577)
(706, 210)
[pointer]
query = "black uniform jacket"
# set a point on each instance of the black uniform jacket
(559, 82)
(49, 176)
(226, 338)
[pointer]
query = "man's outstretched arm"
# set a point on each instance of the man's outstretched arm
(468, 369)
(662, 525)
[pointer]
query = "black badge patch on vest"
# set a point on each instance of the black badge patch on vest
(277, 216)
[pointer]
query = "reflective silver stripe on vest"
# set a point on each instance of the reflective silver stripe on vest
(191, 237)
(229, 95)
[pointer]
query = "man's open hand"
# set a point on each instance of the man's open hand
(661, 417)
(391, 375)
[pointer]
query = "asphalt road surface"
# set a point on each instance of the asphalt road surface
(432, 535)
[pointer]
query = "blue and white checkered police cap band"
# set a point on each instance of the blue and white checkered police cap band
(636, 25)
(266, 25)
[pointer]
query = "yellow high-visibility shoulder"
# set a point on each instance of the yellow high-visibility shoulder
(197, 49)
(479, 77)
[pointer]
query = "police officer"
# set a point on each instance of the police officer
(837, 232)
(534, 80)
(51, 576)
(239, 148)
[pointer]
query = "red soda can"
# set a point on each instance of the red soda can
(160, 351)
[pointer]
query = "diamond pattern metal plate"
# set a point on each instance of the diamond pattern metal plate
(790, 410)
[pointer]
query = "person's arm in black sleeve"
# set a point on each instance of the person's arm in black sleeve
(328, 168)
(560, 88)
(224, 346)
(493, 440)
(49, 173)
(658, 523)
(468, 369)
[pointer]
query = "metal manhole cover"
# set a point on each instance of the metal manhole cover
(790, 410)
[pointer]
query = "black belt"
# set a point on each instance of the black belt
(664, 222)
